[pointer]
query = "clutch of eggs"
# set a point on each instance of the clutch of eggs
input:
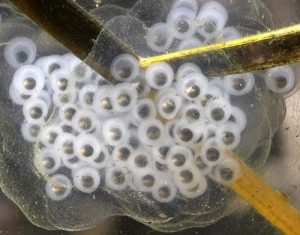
(97, 120)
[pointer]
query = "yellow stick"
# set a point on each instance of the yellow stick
(271, 204)
(257, 52)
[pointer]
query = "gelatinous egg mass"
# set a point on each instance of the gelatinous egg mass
(153, 146)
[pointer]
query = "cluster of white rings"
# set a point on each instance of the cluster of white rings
(159, 131)
(188, 25)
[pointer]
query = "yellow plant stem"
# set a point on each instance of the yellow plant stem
(271, 204)
(256, 52)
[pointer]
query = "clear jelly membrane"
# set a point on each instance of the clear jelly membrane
(77, 149)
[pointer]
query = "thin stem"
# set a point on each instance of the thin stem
(271, 204)
(257, 52)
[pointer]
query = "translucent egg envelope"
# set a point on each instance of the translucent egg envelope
(77, 149)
